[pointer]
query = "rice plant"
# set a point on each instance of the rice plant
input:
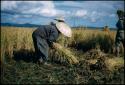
(84, 48)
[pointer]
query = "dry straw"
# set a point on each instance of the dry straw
(114, 63)
(63, 55)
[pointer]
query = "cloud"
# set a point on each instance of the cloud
(86, 11)
(112, 15)
(49, 8)
(16, 16)
(81, 13)
(95, 16)
(44, 8)
(22, 16)
(5, 5)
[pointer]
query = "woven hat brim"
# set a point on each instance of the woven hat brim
(64, 29)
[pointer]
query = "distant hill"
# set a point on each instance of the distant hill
(90, 27)
(34, 25)
(19, 25)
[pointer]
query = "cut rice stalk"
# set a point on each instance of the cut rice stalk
(63, 55)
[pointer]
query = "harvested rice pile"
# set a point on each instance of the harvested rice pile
(114, 63)
(98, 60)
(94, 54)
(62, 55)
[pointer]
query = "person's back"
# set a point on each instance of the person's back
(43, 30)
(48, 32)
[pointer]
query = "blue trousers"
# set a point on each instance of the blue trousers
(41, 47)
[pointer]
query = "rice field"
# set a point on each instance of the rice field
(94, 50)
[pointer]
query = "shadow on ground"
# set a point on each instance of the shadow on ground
(25, 55)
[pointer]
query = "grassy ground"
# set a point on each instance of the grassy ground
(89, 46)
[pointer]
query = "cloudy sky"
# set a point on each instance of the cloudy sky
(76, 13)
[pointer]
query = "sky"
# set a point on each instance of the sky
(75, 13)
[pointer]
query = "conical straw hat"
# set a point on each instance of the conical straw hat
(64, 29)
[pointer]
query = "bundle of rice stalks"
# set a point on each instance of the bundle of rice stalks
(63, 55)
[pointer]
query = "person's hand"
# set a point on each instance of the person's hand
(56, 45)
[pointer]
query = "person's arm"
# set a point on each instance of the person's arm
(53, 35)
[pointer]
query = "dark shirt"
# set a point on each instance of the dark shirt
(120, 25)
(48, 32)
